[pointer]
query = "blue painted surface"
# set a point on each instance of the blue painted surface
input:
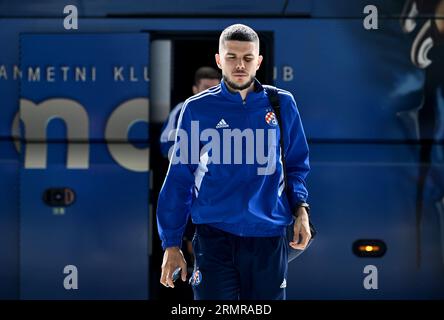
(104, 233)
(9, 221)
(349, 83)
(367, 192)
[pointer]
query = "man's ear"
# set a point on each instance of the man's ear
(259, 61)
(195, 90)
(217, 57)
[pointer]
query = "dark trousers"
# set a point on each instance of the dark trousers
(229, 267)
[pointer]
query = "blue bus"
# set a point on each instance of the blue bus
(82, 109)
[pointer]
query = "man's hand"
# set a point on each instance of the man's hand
(301, 227)
(172, 259)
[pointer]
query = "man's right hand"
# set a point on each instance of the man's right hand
(172, 259)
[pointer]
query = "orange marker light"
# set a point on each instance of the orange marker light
(369, 248)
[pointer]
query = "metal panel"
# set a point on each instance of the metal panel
(93, 139)
(104, 233)
(367, 192)
(9, 207)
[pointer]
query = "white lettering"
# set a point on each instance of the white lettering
(371, 281)
(71, 280)
(71, 21)
(371, 21)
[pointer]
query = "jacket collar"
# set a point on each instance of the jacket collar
(257, 93)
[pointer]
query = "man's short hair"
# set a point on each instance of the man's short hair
(238, 32)
(206, 73)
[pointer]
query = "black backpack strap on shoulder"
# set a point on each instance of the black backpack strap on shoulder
(273, 97)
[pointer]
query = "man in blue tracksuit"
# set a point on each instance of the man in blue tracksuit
(204, 78)
(226, 172)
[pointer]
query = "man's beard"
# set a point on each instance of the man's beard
(235, 85)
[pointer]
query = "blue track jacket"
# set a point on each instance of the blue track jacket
(237, 192)
(169, 128)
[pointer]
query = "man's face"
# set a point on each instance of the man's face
(239, 61)
(204, 84)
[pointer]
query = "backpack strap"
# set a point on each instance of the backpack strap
(273, 97)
